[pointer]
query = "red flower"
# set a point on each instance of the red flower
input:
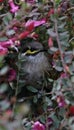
(11, 75)
(23, 35)
(30, 27)
(71, 110)
(56, 55)
(1, 0)
(50, 12)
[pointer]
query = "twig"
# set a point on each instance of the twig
(71, 39)
(17, 84)
(58, 42)
(2, 15)
(72, 8)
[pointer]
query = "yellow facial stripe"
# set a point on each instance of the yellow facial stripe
(29, 52)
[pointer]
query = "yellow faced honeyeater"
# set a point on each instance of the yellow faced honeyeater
(35, 62)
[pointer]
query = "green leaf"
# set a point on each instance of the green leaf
(35, 99)
(4, 70)
(3, 38)
(2, 127)
(57, 1)
(28, 126)
(3, 87)
(4, 104)
(61, 26)
(48, 101)
(56, 121)
(64, 34)
(7, 18)
(62, 18)
(51, 33)
(59, 68)
(32, 89)
(1, 58)
(50, 80)
(72, 79)
(10, 32)
(43, 119)
(71, 124)
(45, 105)
(54, 49)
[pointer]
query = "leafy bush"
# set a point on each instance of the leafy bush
(52, 24)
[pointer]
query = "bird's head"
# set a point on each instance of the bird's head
(32, 50)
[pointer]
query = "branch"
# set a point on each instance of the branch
(3, 15)
(59, 45)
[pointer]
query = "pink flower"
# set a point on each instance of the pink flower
(6, 44)
(30, 1)
(3, 51)
(36, 23)
(61, 101)
(49, 122)
(14, 8)
(8, 114)
(15, 28)
(64, 75)
(11, 75)
(38, 126)
(50, 42)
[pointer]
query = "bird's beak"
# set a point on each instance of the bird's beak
(23, 54)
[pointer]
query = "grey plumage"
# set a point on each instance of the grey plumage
(34, 66)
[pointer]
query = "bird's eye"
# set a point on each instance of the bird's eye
(25, 49)
(33, 49)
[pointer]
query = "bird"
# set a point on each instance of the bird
(34, 63)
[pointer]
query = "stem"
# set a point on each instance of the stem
(30, 97)
(17, 84)
(59, 45)
(46, 115)
(3, 15)
(71, 39)
(58, 42)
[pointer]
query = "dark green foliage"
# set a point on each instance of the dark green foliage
(52, 96)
